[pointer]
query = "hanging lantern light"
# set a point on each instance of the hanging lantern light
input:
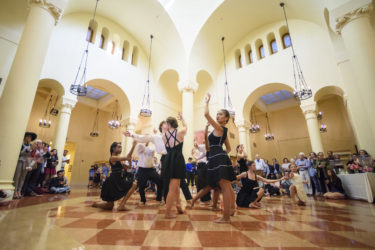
(53, 110)
(78, 88)
(45, 121)
(323, 128)
(227, 101)
(255, 127)
(146, 106)
(95, 127)
(320, 115)
(269, 135)
(301, 90)
(114, 123)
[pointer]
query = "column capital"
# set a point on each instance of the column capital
(242, 125)
(309, 109)
(349, 12)
(188, 86)
(68, 103)
(129, 123)
(54, 7)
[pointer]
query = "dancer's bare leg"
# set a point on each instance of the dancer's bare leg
(255, 204)
(121, 206)
(104, 205)
(233, 201)
(226, 189)
(174, 186)
(178, 203)
(215, 199)
(200, 194)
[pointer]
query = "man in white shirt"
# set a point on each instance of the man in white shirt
(146, 168)
(199, 155)
(64, 160)
(261, 166)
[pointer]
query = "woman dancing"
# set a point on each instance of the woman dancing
(173, 168)
(250, 193)
(241, 158)
(297, 192)
(116, 185)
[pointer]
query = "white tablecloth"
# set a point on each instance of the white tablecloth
(359, 186)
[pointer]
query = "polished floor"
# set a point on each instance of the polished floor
(69, 222)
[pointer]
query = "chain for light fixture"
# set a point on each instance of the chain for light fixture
(269, 135)
(301, 90)
(78, 88)
(227, 100)
(45, 121)
(95, 127)
(255, 127)
(114, 123)
(146, 106)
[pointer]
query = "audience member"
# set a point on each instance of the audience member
(59, 184)
(50, 169)
(314, 174)
(335, 189)
(190, 169)
(321, 166)
(260, 165)
(365, 160)
(303, 168)
(65, 160)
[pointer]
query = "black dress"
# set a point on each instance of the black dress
(243, 165)
(173, 165)
(219, 164)
(116, 185)
(247, 193)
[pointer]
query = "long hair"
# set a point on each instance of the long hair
(113, 146)
(226, 113)
(333, 177)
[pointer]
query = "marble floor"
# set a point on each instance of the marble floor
(69, 222)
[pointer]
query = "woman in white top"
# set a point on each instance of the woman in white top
(285, 166)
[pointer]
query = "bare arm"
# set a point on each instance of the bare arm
(268, 180)
(208, 116)
(183, 130)
(227, 145)
(206, 137)
(126, 158)
(240, 176)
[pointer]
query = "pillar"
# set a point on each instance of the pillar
(19, 91)
(352, 22)
(244, 134)
(129, 125)
(309, 110)
(62, 127)
(188, 88)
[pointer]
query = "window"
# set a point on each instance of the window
(101, 42)
(286, 41)
(239, 61)
(134, 60)
(113, 48)
(125, 51)
(261, 52)
(251, 57)
(273, 46)
(89, 35)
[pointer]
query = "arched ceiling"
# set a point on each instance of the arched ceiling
(234, 19)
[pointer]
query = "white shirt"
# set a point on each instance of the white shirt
(146, 156)
(200, 154)
(260, 164)
(155, 139)
(63, 162)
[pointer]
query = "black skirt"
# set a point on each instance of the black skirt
(219, 167)
(173, 166)
(115, 187)
(244, 198)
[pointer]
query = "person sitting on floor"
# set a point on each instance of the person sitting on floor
(336, 191)
(59, 184)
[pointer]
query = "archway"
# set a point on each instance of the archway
(205, 82)
(339, 137)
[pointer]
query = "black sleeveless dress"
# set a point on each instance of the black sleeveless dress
(173, 165)
(247, 193)
(243, 165)
(116, 185)
(219, 164)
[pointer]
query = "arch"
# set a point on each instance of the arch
(204, 80)
(271, 42)
(125, 51)
(249, 54)
(259, 47)
(103, 42)
(135, 56)
(238, 59)
(284, 35)
(52, 84)
(91, 31)
(115, 44)
(328, 90)
(168, 81)
(257, 93)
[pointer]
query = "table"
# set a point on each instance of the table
(359, 186)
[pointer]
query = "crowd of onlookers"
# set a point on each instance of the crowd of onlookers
(36, 169)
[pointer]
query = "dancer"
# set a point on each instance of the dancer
(241, 158)
(250, 193)
(146, 169)
(116, 185)
(297, 191)
(173, 168)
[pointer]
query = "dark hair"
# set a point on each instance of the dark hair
(226, 113)
(238, 146)
(287, 160)
(54, 149)
(333, 177)
(190, 159)
(249, 163)
(172, 121)
(60, 171)
(161, 126)
(113, 146)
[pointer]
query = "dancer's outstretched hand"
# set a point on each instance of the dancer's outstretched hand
(179, 116)
(208, 97)
(127, 134)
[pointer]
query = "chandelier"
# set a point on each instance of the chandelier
(323, 127)
(95, 127)
(320, 115)
(255, 127)
(114, 123)
(269, 135)
(53, 110)
(78, 88)
(227, 99)
(146, 107)
(45, 121)
(301, 90)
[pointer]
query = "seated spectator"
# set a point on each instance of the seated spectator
(50, 169)
(365, 160)
(336, 191)
(59, 184)
(354, 165)
(97, 177)
(276, 165)
(270, 169)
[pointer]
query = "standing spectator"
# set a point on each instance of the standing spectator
(276, 165)
(59, 184)
(354, 166)
(105, 171)
(321, 167)
(190, 172)
(303, 167)
(270, 169)
(314, 174)
(33, 178)
(337, 165)
(285, 166)
(365, 160)
(91, 176)
(200, 153)
(65, 160)
(260, 165)
(50, 169)
(22, 165)
(330, 155)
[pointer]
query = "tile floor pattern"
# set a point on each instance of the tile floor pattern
(69, 222)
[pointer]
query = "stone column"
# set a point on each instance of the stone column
(188, 88)
(352, 21)
(128, 125)
(244, 134)
(62, 127)
(19, 91)
(309, 110)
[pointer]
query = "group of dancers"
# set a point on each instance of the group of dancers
(217, 175)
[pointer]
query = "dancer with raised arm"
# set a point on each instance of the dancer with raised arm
(116, 186)
(173, 168)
